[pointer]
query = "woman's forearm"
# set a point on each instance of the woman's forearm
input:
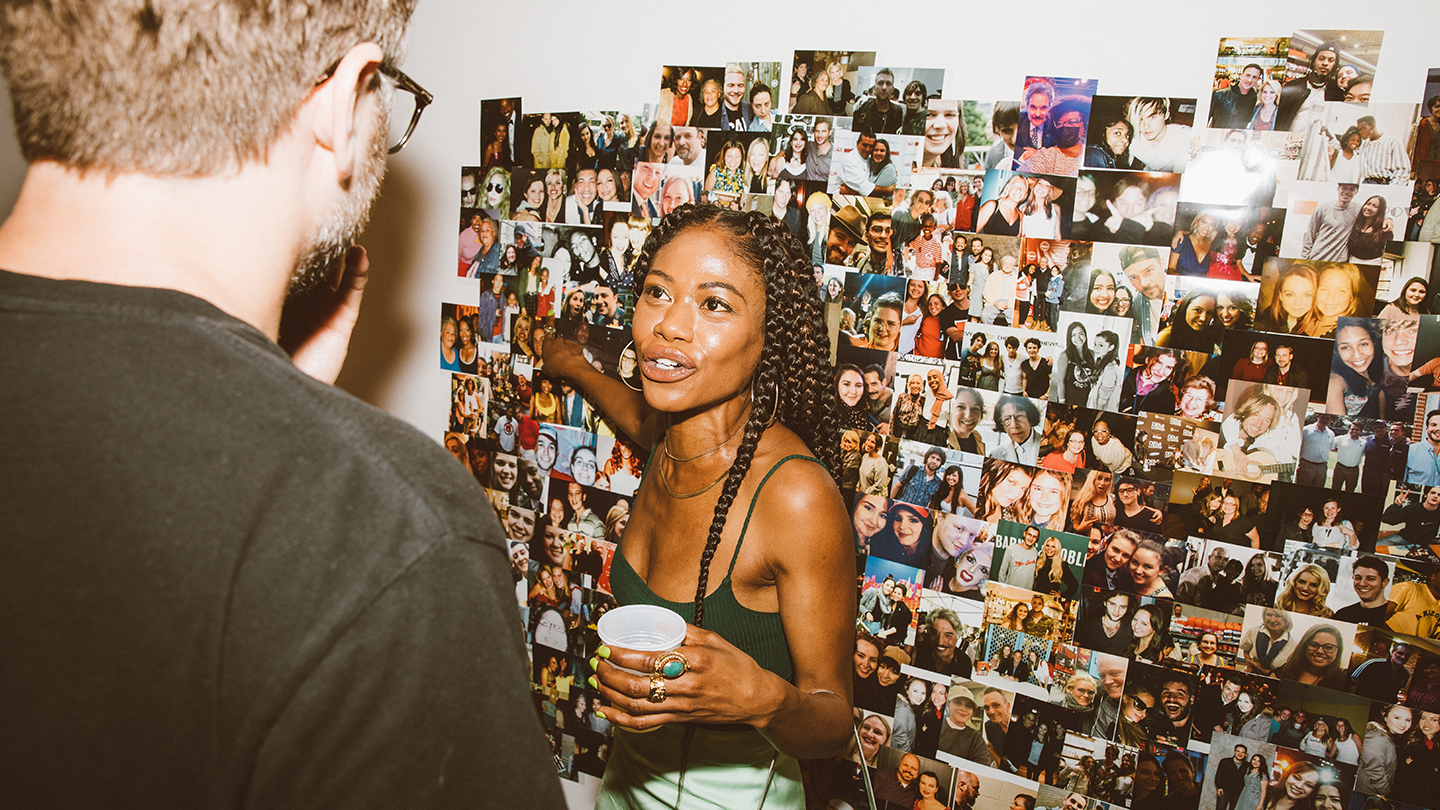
(809, 725)
(625, 407)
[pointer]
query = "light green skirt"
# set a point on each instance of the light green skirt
(726, 770)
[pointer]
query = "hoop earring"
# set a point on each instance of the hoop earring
(775, 408)
(626, 382)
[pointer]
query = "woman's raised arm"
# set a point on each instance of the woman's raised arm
(625, 407)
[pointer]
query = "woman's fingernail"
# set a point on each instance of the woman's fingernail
(601, 715)
(594, 663)
(593, 684)
(603, 652)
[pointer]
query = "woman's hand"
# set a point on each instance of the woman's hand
(723, 685)
(563, 356)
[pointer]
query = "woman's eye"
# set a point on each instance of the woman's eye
(654, 292)
(717, 305)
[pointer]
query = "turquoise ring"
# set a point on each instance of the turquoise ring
(671, 664)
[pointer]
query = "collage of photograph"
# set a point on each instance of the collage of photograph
(1140, 404)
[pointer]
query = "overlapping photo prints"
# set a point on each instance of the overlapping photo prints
(1145, 482)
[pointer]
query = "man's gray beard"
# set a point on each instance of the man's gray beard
(324, 257)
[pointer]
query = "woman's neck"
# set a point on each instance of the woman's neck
(711, 432)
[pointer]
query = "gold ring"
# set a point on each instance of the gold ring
(671, 664)
(657, 688)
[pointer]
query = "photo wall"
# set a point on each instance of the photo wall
(1155, 373)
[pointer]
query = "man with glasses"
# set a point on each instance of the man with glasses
(256, 590)
(1133, 514)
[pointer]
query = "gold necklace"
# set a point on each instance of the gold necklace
(731, 437)
(683, 495)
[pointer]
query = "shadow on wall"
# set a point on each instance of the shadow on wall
(384, 331)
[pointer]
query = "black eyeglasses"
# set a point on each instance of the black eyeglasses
(405, 106)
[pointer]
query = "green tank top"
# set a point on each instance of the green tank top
(760, 635)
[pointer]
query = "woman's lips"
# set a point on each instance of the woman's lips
(666, 365)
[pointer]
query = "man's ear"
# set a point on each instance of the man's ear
(346, 113)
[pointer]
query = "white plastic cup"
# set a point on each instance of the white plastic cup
(648, 628)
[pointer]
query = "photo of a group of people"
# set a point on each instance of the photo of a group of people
(1140, 405)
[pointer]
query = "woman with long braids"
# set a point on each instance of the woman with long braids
(738, 394)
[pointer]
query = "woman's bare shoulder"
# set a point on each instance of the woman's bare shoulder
(797, 487)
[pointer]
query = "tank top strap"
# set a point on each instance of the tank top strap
(755, 499)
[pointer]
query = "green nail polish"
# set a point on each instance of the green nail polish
(593, 684)
(601, 715)
(594, 663)
(603, 652)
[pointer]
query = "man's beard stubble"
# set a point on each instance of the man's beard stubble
(324, 258)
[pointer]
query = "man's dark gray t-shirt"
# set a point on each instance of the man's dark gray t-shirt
(225, 584)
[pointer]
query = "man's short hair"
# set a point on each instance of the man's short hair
(928, 219)
(1027, 800)
(1257, 67)
(875, 369)
(1374, 564)
(1012, 342)
(935, 451)
(1147, 106)
(175, 89)
(889, 300)
(1032, 342)
(1365, 119)
(1004, 114)
(875, 216)
(1176, 755)
(941, 613)
(1167, 679)
(1040, 87)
